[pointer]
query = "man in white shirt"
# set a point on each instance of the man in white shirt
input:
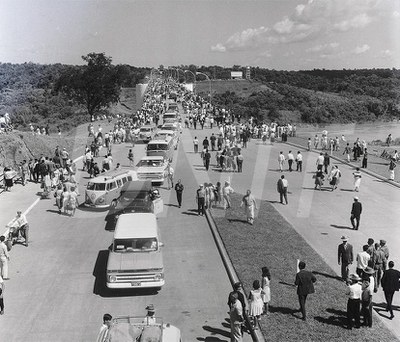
(4, 258)
(290, 158)
(299, 161)
(281, 160)
(320, 161)
(353, 292)
(362, 260)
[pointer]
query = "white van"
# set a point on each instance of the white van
(161, 147)
(103, 191)
(135, 259)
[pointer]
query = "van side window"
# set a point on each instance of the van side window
(119, 182)
(111, 185)
(124, 180)
(129, 178)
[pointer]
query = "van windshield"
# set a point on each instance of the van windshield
(135, 245)
(157, 147)
(96, 186)
(151, 163)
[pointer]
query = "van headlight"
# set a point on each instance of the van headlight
(158, 276)
(112, 278)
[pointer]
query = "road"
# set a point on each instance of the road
(57, 293)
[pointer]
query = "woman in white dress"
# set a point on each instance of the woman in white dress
(266, 278)
(256, 303)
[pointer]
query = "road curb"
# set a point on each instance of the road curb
(230, 269)
(368, 172)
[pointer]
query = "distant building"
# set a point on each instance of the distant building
(236, 75)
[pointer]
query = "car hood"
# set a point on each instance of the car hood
(154, 169)
(134, 261)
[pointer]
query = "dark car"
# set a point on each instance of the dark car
(136, 197)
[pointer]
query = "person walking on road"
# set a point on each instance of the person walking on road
(353, 292)
(196, 144)
(250, 205)
(236, 317)
(347, 152)
(281, 161)
(282, 187)
(130, 158)
(21, 224)
(104, 333)
(378, 262)
(200, 200)
(4, 258)
(207, 157)
(335, 177)
(364, 162)
(179, 191)
(305, 285)
(239, 160)
(170, 177)
(290, 158)
(345, 257)
(392, 166)
(227, 190)
(320, 161)
(390, 284)
(327, 161)
(362, 260)
(356, 211)
(299, 162)
(357, 179)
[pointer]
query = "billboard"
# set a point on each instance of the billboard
(236, 74)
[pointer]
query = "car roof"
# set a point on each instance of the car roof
(152, 158)
(165, 131)
(160, 141)
(147, 126)
(114, 174)
(136, 225)
(136, 186)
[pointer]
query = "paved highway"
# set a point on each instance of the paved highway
(57, 292)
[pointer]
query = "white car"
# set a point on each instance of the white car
(153, 168)
(164, 134)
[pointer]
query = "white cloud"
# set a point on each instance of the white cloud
(218, 48)
(396, 14)
(359, 21)
(316, 18)
(361, 49)
(385, 54)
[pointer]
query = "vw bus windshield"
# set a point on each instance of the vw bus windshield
(96, 186)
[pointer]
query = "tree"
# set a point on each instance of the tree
(96, 85)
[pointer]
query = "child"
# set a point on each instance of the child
(266, 278)
(256, 303)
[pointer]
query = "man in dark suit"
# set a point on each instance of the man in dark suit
(345, 257)
(390, 283)
(356, 210)
(304, 281)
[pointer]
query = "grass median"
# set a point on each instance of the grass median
(273, 242)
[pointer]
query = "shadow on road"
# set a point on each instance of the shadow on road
(100, 287)
(341, 227)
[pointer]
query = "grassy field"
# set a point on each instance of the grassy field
(273, 242)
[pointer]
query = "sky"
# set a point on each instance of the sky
(273, 34)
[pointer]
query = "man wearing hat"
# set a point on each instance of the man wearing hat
(366, 296)
(150, 318)
(345, 257)
(353, 292)
(200, 199)
(356, 210)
